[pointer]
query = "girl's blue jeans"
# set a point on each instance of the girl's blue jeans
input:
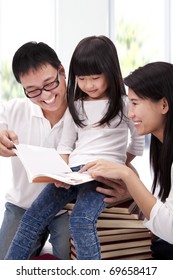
(82, 223)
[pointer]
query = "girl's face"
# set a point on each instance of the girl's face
(95, 86)
(148, 116)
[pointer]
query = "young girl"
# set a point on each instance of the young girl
(96, 126)
(150, 91)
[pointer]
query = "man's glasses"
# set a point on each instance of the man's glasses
(38, 91)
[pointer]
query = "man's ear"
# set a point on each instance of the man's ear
(62, 71)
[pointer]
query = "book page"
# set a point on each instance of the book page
(42, 164)
(72, 178)
(41, 160)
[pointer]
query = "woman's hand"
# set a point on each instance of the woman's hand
(111, 174)
(106, 169)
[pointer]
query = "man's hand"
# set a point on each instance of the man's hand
(117, 192)
(7, 137)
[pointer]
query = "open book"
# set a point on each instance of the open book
(45, 165)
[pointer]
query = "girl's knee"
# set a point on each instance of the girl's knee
(80, 224)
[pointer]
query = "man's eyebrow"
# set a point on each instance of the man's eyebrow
(34, 86)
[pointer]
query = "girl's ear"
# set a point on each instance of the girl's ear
(62, 71)
(165, 106)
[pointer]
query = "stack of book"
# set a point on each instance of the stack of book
(121, 233)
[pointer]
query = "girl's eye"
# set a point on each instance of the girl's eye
(81, 78)
(95, 78)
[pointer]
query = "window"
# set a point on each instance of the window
(20, 22)
(141, 30)
(140, 34)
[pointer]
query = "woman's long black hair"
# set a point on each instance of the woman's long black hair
(155, 81)
(96, 55)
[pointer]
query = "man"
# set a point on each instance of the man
(36, 120)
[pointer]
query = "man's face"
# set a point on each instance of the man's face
(49, 101)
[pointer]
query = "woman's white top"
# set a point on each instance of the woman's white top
(161, 217)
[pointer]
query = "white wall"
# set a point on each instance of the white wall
(25, 20)
(59, 23)
(77, 19)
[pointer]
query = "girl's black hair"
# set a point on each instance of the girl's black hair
(96, 55)
(155, 81)
(33, 55)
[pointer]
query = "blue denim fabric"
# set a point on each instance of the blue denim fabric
(88, 206)
(58, 229)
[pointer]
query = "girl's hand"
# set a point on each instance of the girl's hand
(59, 184)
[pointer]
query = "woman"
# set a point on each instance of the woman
(150, 91)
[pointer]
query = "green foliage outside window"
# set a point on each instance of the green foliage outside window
(131, 41)
(10, 88)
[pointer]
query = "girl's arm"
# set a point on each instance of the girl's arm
(69, 135)
(58, 184)
(130, 157)
(65, 157)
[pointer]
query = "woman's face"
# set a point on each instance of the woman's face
(148, 116)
